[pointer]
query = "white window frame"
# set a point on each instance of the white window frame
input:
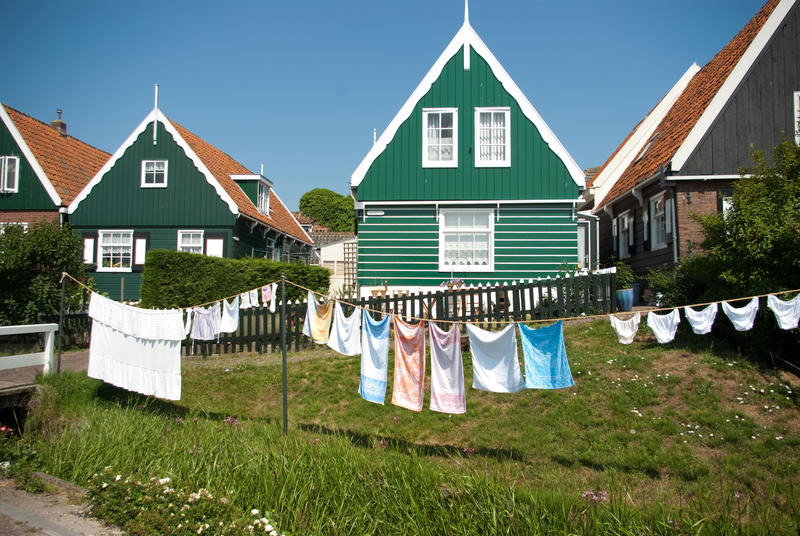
(471, 268)
(426, 163)
(185, 232)
(4, 174)
(101, 246)
(655, 243)
(155, 184)
(625, 235)
(797, 117)
(506, 162)
(215, 247)
(262, 197)
(6, 224)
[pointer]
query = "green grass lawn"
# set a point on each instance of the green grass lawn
(687, 437)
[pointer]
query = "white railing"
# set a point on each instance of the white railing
(44, 357)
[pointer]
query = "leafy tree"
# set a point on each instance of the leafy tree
(30, 269)
(756, 243)
(335, 211)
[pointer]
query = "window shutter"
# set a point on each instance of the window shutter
(668, 218)
(89, 251)
(215, 244)
(614, 246)
(631, 228)
(141, 243)
(646, 222)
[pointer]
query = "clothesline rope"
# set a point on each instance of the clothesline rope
(544, 319)
(460, 322)
(65, 274)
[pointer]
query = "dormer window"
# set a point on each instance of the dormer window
(439, 137)
(9, 174)
(154, 174)
(493, 137)
(263, 198)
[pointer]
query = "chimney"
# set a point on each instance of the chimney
(59, 125)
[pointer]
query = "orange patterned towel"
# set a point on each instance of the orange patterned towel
(409, 365)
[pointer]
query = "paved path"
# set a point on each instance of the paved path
(61, 513)
(10, 379)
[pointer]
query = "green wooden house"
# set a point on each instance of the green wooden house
(467, 181)
(42, 168)
(166, 188)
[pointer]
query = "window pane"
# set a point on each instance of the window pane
(447, 119)
(433, 120)
(482, 219)
(451, 219)
(446, 153)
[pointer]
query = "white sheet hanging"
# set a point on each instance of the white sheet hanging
(787, 313)
(495, 365)
(206, 323)
(664, 326)
(742, 318)
(274, 300)
(136, 349)
(702, 320)
(187, 327)
(244, 300)
(345, 336)
(230, 316)
(447, 371)
(254, 298)
(626, 329)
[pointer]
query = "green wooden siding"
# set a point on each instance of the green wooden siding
(158, 238)
(188, 201)
(250, 189)
(535, 172)
(30, 194)
(402, 246)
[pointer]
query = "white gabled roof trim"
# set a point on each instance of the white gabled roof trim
(644, 132)
(465, 38)
(15, 133)
(310, 241)
(725, 92)
(156, 116)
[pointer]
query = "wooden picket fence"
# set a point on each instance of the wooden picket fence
(488, 307)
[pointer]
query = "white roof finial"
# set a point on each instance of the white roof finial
(466, 12)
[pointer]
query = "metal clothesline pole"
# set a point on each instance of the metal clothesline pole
(283, 353)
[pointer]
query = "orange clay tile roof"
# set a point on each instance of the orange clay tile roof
(222, 166)
(691, 104)
(68, 162)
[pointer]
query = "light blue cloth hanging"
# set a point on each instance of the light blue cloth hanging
(545, 357)
(374, 358)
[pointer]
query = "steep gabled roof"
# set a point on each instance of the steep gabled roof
(693, 113)
(466, 38)
(217, 168)
(63, 164)
(636, 143)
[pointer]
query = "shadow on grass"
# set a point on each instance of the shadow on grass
(445, 451)
(563, 461)
(154, 406)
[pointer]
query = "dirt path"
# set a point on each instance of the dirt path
(61, 513)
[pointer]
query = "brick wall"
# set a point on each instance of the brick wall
(31, 217)
(695, 197)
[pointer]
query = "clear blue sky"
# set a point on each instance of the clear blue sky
(300, 85)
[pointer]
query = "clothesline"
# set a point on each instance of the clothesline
(584, 317)
(461, 322)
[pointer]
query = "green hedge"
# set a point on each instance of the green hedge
(177, 279)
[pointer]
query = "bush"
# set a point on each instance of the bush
(30, 270)
(178, 279)
(695, 280)
(624, 276)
